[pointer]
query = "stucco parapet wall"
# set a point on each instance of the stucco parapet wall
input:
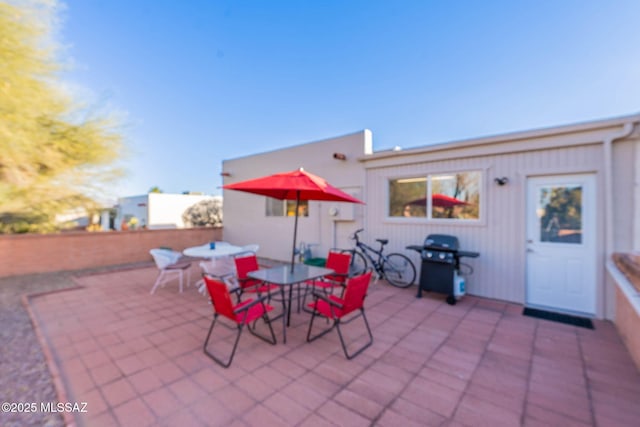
(629, 266)
(624, 285)
(539, 139)
(627, 317)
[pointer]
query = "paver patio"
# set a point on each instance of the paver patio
(137, 360)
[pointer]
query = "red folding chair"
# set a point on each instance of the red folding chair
(241, 314)
(246, 263)
(339, 262)
(337, 309)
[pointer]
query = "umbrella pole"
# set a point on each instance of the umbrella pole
(295, 231)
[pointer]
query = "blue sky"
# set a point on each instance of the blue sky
(203, 81)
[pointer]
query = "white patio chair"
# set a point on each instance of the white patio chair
(251, 248)
(168, 262)
(223, 268)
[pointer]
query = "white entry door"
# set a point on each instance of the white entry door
(561, 243)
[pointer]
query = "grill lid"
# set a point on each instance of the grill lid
(441, 242)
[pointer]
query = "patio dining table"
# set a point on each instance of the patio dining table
(283, 277)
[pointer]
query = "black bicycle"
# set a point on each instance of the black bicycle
(396, 268)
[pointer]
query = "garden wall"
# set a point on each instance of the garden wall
(623, 271)
(41, 253)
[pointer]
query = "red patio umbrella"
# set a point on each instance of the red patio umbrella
(295, 185)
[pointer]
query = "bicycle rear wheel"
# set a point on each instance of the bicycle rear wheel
(398, 270)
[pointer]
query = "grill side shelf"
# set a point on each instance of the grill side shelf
(468, 254)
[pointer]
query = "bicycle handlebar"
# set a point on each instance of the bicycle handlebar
(354, 236)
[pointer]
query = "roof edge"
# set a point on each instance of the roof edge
(509, 137)
(364, 132)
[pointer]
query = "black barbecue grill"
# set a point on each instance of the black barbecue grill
(440, 255)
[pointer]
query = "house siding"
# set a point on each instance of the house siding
(625, 182)
(499, 235)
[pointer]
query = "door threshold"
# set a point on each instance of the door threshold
(582, 322)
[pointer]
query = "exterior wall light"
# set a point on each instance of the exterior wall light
(339, 156)
(501, 181)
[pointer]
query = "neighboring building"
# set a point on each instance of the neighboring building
(80, 219)
(545, 208)
(156, 210)
(73, 219)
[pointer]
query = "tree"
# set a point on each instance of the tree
(55, 155)
(207, 213)
(155, 189)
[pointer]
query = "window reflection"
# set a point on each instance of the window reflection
(455, 196)
(440, 196)
(407, 197)
(560, 213)
(275, 207)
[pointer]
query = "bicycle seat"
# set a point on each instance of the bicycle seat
(382, 241)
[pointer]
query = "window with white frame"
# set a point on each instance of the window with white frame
(454, 196)
(275, 207)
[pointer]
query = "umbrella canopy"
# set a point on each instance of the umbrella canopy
(439, 201)
(295, 185)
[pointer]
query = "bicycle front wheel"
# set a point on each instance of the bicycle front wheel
(398, 270)
(358, 264)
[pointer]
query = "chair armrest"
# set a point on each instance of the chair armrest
(330, 279)
(249, 279)
(327, 300)
(259, 300)
(224, 278)
(215, 276)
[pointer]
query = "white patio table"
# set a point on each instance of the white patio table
(219, 261)
(222, 249)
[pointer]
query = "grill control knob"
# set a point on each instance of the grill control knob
(442, 256)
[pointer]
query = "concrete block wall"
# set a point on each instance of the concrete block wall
(42, 253)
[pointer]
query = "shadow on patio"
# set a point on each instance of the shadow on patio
(137, 359)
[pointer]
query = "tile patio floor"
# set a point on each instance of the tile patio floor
(137, 360)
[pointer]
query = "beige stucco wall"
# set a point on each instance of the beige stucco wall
(244, 214)
(627, 309)
(628, 325)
